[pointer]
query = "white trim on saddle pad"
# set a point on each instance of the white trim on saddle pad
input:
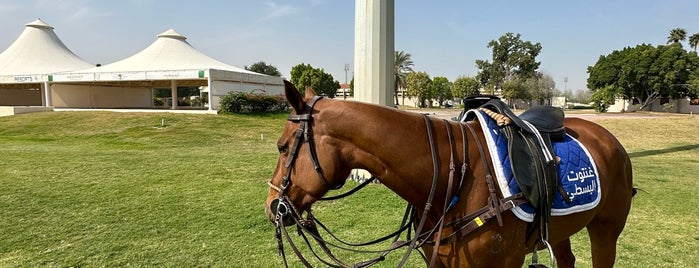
(525, 211)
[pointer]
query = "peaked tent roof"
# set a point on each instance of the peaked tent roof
(38, 50)
(169, 52)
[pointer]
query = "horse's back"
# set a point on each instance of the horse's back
(610, 156)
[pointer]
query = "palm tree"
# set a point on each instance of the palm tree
(401, 68)
(677, 35)
(694, 41)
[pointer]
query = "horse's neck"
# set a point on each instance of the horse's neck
(392, 145)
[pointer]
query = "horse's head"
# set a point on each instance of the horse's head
(309, 159)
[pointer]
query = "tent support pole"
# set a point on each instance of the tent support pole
(211, 92)
(47, 94)
(173, 89)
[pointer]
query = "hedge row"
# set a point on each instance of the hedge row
(247, 103)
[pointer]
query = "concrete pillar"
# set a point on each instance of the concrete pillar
(374, 51)
(373, 57)
(173, 90)
(210, 91)
(46, 93)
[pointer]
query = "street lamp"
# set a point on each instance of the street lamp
(344, 90)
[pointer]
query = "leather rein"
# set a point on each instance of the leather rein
(283, 208)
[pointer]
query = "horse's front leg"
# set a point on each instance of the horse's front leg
(564, 254)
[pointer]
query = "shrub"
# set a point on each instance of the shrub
(573, 106)
(183, 102)
(247, 103)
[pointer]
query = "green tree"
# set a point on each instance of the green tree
(542, 88)
(466, 86)
(442, 89)
(418, 85)
(603, 97)
(693, 84)
(304, 75)
(401, 67)
(694, 41)
(677, 35)
(512, 59)
(516, 89)
(581, 96)
(644, 72)
(263, 68)
(484, 75)
(296, 73)
(352, 87)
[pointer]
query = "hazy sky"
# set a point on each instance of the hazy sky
(445, 38)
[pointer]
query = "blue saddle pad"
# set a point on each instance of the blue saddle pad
(577, 172)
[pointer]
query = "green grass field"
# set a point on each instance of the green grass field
(101, 189)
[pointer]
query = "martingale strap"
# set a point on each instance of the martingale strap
(433, 189)
(450, 183)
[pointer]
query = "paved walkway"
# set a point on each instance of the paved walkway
(181, 111)
(587, 115)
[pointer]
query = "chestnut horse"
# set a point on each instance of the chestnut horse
(393, 145)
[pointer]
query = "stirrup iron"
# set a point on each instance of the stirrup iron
(535, 258)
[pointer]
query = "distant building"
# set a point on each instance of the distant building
(344, 91)
(684, 105)
(39, 70)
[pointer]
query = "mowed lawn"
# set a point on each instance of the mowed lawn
(103, 189)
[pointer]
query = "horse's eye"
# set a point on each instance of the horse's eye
(282, 149)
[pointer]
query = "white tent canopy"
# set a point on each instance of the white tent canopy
(169, 61)
(38, 50)
(26, 64)
(170, 51)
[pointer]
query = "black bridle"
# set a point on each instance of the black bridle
(283, 208)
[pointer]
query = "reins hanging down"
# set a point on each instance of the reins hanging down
(283, 208)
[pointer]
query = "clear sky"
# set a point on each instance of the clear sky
(445, 38)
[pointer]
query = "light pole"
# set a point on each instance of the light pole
(344, 91)
(565, 90)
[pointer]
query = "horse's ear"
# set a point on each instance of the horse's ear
(293, 96)
(310, 93)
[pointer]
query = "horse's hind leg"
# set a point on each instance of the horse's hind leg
(606, 226)
(603, 237)
(564, 254)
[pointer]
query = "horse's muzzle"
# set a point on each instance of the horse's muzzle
(280, 210)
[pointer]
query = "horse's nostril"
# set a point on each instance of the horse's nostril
(273, 206)
(279, 208)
